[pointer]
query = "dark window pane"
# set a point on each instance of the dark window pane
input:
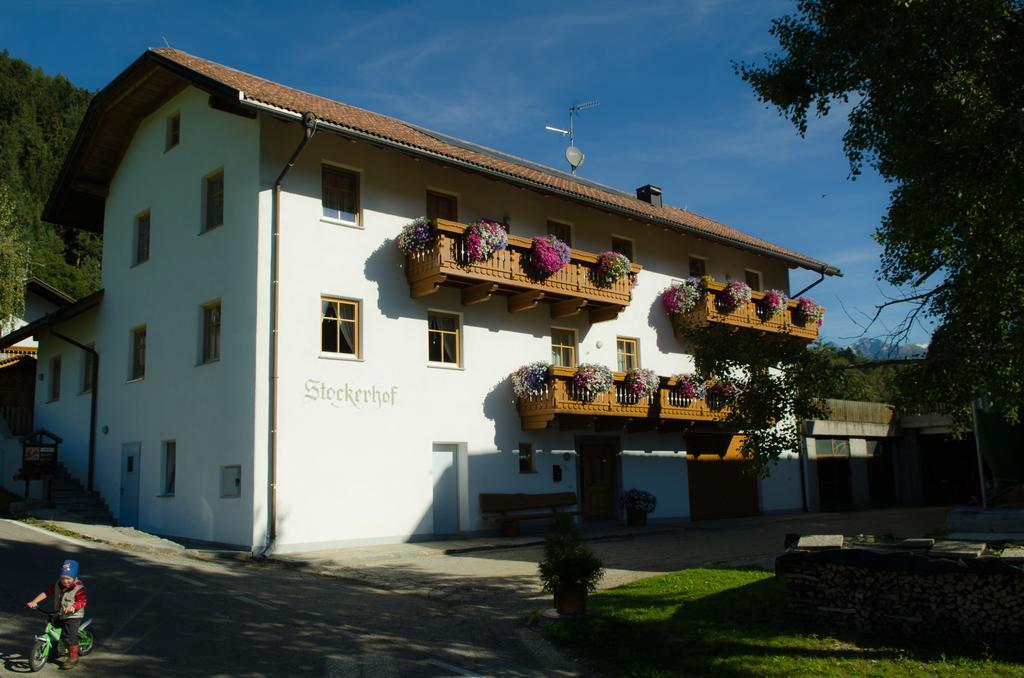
(698, 267)
(435, 347)
(623, 246)
(214, 201)
(340, 197)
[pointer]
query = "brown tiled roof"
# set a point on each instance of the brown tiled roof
(250, 88)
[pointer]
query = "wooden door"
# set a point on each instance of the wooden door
(597, 481)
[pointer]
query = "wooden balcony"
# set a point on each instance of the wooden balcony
(613, 409)
(569, 291)
(710, 310)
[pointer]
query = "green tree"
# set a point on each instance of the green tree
(13, 263)
(39, 116)
(936, 90)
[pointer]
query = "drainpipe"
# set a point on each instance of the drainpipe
(309, 123)
(820, 273)
(92, 404)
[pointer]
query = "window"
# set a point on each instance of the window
(831, 447)
(170, 454)
(561, 231)
(211, 332)
(230, 481)
(623, 246)
(876, 447)
(339, 326)
(526, 458)
(441, 206)
(138, 368)
(88, 362)
(213, 208)
(141, 237)
(55, 378)
(753, 280)
(173, 131)
(444, 339)
(340, 197)
(628, 351)
(563, 347)
(698, 266)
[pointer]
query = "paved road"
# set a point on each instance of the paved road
(164, 615)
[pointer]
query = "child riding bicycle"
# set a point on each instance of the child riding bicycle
(68, 594)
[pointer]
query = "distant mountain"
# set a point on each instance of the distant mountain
(880, 349)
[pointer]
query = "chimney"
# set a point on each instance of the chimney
(649, 193)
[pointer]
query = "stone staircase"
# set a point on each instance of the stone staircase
(73, 504)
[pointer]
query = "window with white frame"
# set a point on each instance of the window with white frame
(340, 194)
(138, 363)
(140, 252)
(168, 468)
(55, 378)
(173, 132)
(753, 280)
(213, 200)
(210, 350)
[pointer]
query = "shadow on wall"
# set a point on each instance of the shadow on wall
(385, 267)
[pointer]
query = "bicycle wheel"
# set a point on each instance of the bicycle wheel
(85, 641)
(38, 656)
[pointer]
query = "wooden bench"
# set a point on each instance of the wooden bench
(509, 509)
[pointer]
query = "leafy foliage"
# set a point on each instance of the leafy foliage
(567, 562)
(937, 92)
(39, 116)
(13, 262)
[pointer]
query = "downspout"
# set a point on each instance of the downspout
(309, 123)
(820, 273)
(92, 404)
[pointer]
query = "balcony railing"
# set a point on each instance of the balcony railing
(564, 398)
(569, 291)
(712, 310)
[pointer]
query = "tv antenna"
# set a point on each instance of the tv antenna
(573, 155)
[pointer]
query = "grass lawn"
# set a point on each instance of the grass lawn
(733, 623)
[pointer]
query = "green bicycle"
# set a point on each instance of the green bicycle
(49, 641)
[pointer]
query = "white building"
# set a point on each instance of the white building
(393, 412)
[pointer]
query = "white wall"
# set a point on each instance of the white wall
(780, 491)
(207, 409)
(352, 474)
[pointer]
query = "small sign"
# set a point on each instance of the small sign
(45, 454)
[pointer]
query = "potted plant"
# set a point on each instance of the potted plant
(484, 238)
(807, 311)
(638, 503)
(591, 380)
(688, 387)
(548, 255)
(610, 267)
(774, 303)
(735, 295)
(569, 569)
(531, 380)
(722, 392)
(416, 236)
(682, 297)
(641, 382)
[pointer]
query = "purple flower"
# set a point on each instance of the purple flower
(548, 254)
(531, 380)
(641, 382)
(807, 311)
(689, 387)
(416, 236)
(735, 294)
(775, 302)
(484, 238)
(610, 267)
(682, 297)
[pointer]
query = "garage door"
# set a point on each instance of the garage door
(718, 486)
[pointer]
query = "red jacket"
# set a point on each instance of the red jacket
(74, 596)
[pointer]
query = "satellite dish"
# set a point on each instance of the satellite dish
(574, 157)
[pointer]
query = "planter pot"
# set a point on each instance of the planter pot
(635, 517)
(571, 600)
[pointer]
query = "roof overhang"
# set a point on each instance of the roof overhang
(60, 315)
(48, 292)
(79, 194)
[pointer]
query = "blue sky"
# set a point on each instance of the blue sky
(672, 111)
